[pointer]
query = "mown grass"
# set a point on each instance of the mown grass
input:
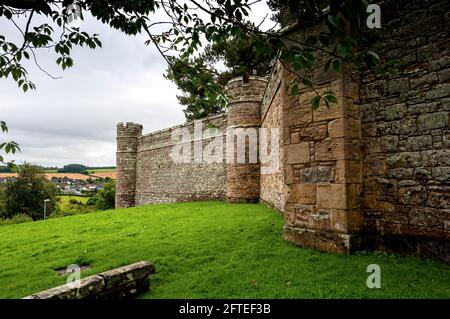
(204, 250)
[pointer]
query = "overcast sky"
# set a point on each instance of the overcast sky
(73, 119)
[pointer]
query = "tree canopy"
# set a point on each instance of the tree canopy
(202, 82)
(180, 29)
(26, 194)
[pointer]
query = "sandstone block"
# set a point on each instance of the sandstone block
(302, 194)
(336, 128)
(324, 113)
(330, 149)
(295, 137)
(314, 132)
(331, 196)
(297, 153)
(338, 220)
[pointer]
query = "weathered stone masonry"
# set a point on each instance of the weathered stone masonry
(370, 172)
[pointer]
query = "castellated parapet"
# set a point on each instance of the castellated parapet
(128, 135)
(371, 171)
(244, 118)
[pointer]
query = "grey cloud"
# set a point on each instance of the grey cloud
(73, 119)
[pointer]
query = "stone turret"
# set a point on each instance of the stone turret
(128, 135)
(244, 119)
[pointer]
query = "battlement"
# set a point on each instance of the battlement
(252, 89)
(129, 129)
(368, 172)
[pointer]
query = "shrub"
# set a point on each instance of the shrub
(2, 201)
(72, 209)
(16, 219)
(105, 198)
(27, 193)
(74, 201)
(91, 201)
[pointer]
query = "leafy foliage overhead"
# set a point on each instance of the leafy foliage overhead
(180, 29)
(202, 81)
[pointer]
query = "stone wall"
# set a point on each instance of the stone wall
(244, 115)
(128, 135)
(161, 180)
(122, 282)
(274, 188)
(406, 134)
(369, 172)
(321, 162)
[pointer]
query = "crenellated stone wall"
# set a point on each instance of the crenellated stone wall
(369, 172)
(244, 114)
(161, 180)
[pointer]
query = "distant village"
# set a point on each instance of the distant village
(84, 182)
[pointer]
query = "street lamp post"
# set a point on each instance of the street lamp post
(45, 207)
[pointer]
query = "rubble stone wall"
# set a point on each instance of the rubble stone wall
(406, 134)
(369, 172)
(161, 180)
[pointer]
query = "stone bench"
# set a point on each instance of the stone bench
(122, 282)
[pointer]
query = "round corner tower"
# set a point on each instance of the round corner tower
(128, 135)
(244, 121)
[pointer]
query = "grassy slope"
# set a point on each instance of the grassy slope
(203, 249)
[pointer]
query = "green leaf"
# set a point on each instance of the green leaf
(294, 89)
(337, 65)
(307, 83)
(332, 21)
(327, 65)
(331, 98)
(315, 102)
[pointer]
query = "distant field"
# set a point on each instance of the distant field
(65, 199)
(49, 176)
(111, 174)
(101, 170)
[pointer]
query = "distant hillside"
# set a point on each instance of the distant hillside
(49, 176)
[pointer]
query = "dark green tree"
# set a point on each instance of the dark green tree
(27, 193)
(203, 85)
(73, 168)
(105, 198)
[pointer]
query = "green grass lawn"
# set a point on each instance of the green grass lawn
(204, 250)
